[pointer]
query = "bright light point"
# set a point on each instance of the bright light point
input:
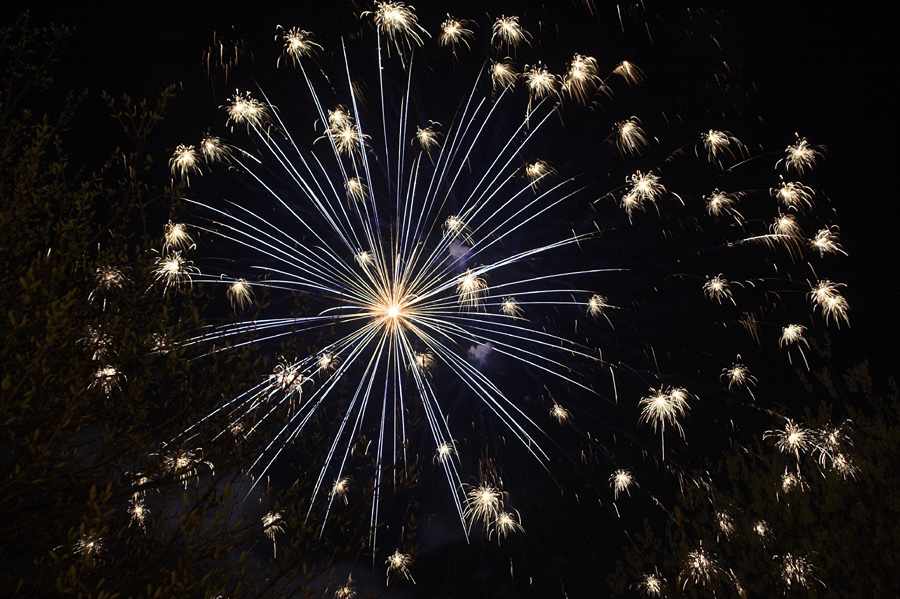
(393, 312)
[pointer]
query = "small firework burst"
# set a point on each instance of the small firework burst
(725, 523)
(621, 481)
(720, 143)
(537, 170)
(719, 203)
(139, 512)
(664, 406)
(185, 161)
(793, 195)
(347, 591)
(398, 564)
(503, 74)
(243, 109)
(717, 289)
(185, 464)
(287, 378)
(90, 547)
(298, 44)
(826, 242)
(791, 482)
(582, 78)
(213, 149)
(801, 155)
(398, 23)
(630, 72)
(794, 438)
(273, 524)
(505, 524)
(510, 307)
(761, 528)
(796, 570)
(738, 376)
(108, 379)
(455, 227)
(427, 138)
(356, 192)
(793, 334)
(240, 294)
(559, 413)
(176, 238)
(507, 32)
(107, 279)
(455, 33)
(483, 503)
(471, 288)
(173, 270)
(424, 361)
(630, 138)
(644, 187)
(597, 306)
(444, 452)
(700, 567)
(539, 81)
(340, 487)
(98, 343)
(827, 298)
(651, 585)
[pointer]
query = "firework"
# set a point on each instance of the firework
(796, 570)
(664, 406)
(738, 375)
(561, 414)
(107, 279)
(700, 567)
(348, 591)
(107, 379)
(792, 439)
(91, 549)
(273, 524)
(484, 504)
(508, 32)
(505, 524)
(139, 512)
(398, 564)
(621, 480)
(802, 156)
(184, 464)
(651, 585)
(297, 44)
(456, 33)
(429, 248)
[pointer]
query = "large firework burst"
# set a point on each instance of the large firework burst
(428, 246)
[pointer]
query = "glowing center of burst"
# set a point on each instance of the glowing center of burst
(393, 311)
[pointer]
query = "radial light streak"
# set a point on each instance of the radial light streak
(427, 255)
(407, 294)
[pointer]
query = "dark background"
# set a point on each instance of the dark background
(824, 71)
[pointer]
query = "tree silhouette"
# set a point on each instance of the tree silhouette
(101, 494)
(821, 521)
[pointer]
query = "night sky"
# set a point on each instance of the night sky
(821, 70)
(818, 70)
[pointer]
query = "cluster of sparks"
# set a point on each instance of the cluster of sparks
(413, 282)
(827, 445)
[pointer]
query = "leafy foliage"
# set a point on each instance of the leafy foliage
(97, 500)
(777, 525)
